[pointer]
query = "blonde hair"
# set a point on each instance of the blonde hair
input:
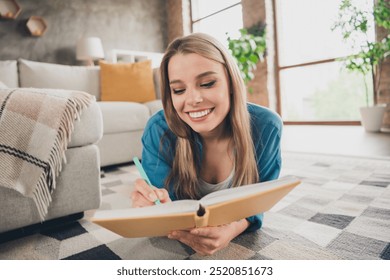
(185, 167)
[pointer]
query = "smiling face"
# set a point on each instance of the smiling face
(200, 93)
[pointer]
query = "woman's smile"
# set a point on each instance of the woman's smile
(199, 114)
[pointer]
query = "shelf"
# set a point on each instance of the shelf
(36, 25)
(9, 9)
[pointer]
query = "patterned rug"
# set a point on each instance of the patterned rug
(340, 211)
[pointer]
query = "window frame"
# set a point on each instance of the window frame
(279, 68)
(212, 14)
(209, 15)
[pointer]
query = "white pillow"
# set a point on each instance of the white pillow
(57, 76)
(9, 73)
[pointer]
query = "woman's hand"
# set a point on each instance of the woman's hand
(208, 240)
(145, 195)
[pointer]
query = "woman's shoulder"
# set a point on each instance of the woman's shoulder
(157, 133)
(157, 127)
(157, 121)
(263, 116)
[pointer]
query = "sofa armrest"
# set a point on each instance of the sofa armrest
(89, 129)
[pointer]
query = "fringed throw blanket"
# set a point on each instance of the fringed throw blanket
(35, 129)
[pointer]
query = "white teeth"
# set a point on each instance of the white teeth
(199, 114)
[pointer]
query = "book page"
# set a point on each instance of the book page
(178, 206)
(243, 191)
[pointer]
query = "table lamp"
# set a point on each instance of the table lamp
(89, 49)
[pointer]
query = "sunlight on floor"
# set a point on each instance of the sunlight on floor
(342, 140)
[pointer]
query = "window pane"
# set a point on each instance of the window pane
(202, 8)
(322, 92)
(228, 21)
(304, 30)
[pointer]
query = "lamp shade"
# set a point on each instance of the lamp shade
(89, 48)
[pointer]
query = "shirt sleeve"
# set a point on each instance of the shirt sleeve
(155, 155)
(269, 153)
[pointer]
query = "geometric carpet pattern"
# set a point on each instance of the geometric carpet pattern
(341, 210)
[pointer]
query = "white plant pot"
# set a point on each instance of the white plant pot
(372, 117)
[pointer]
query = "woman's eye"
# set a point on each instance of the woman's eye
(208, 85)
(178, 91)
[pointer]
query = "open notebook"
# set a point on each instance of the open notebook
(217, 208)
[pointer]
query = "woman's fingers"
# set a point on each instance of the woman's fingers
(148, 192)
(138, 200)
(146, 195)
(163, 195)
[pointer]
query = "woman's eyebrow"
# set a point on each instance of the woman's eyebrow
(175, 82)
(201, 75)
(206, 74)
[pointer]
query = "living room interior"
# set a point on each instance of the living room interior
(94, 46)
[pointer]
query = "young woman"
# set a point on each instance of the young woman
(207, 138)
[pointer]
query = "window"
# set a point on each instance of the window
(219, 18)
(313, 84)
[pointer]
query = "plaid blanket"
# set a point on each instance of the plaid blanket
(35, 129)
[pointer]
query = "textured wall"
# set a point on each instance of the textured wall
(121, 24)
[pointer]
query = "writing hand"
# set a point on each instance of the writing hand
(145, 195)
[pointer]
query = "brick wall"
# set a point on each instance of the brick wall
(384, 86)
(178, 18)
(384, 92)
(253, 12)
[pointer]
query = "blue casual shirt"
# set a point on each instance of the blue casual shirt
(266, 128)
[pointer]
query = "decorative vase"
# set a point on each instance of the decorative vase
(372, 117)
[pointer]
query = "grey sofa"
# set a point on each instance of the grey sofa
(108, 133)
(77, 187)
(123, 122)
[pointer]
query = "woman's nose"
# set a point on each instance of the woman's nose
(194, 97)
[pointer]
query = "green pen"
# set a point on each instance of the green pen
(143, 175)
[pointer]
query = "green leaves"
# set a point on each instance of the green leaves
(382, 14)
(353, 22)
(371, 55)
(248, 50)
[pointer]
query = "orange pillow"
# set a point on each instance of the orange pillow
(127, 81)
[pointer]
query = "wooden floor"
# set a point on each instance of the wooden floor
(339, 140)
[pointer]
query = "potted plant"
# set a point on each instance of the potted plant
(248, 50)
(353, 22)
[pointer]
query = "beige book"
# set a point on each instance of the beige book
(217, 208)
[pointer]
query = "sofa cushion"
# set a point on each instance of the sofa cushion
(9, 73)
(123, 116)
(127, 81)
(57, 76)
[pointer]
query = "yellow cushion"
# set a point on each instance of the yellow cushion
(127, 81)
